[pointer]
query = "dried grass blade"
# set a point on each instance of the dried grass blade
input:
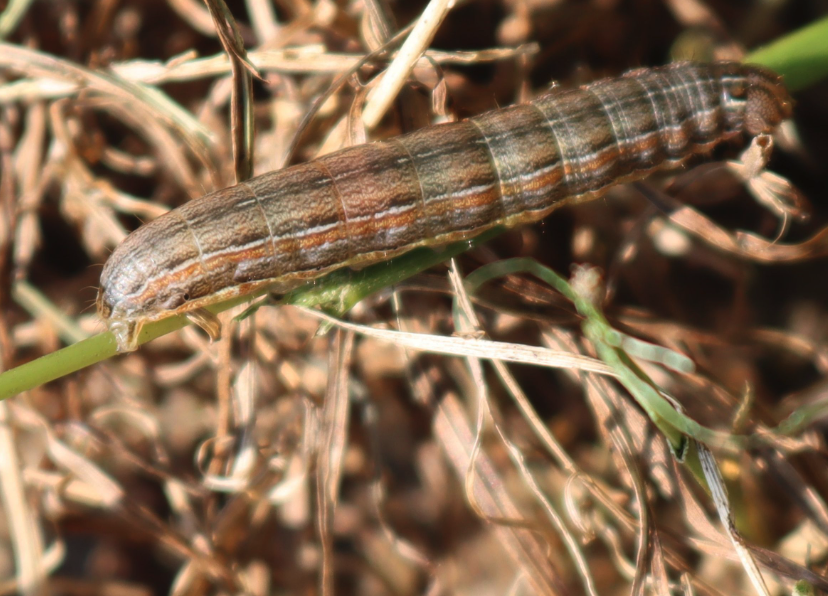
(148, 101)
(787, 568)
(623, 445)
(334, 430)
(658, 565)
(743, 244)
(107, 491)
(527, 549)
(263, 20)
(394, 78)
(466, 321)
(39, 307)
(310, 59)
(195, 14)
(241, 104)
(11, 16)
(477, 348)
(8, 184)
(800, 490)
(24, 531)
(719, 493)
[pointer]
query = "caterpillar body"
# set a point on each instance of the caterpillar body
(440, 184)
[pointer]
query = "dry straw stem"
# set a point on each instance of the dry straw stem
(308, 59)
(456, 436)
(333, 444)
(381, 97)
(25, 534)
(148, 102)
(471, 347)
(11, 16)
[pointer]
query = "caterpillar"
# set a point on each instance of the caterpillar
(440, 184)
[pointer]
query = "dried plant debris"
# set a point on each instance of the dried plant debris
(651, 421)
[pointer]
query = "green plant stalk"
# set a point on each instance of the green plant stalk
(614, 350)
(801, 57)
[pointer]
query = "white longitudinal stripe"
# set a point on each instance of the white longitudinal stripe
(264, 216)
(630, 138)
(542, 172)
(569, 150)
(711, 108)
(526, 177)
(340, 204)
(364, 166)
(438, 150)
(422, 201)
(195, 238)
(321, 229)
(187, 263)
(459, 194)
(504, 172)
(692, 93)
(580, 178)
(561, 162)
(656, 109)
(673, 100)
(613, 107)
